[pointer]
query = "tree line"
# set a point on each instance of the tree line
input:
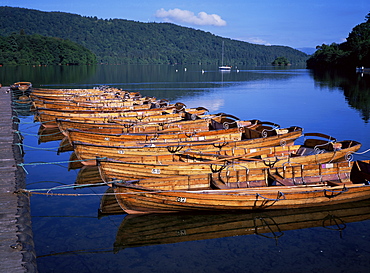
(119, 41)
(21, 49)
(355, 52)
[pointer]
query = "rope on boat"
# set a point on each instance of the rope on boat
(364, 152)
(334, 193)
(56, 163)
(15, 117)
(349, 156)
(280, 194)
(19, 134)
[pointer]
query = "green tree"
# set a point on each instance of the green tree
(123, 41)
(354, 52)
(40, 50)
(281, 61)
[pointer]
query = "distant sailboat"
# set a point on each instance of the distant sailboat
(223, 67)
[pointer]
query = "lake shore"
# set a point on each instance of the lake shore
(16, 238)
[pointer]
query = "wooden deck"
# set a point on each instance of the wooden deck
(16, 242)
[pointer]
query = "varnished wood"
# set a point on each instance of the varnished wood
(185, 163)
(137, 199)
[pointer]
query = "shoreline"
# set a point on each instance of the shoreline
(17, 252)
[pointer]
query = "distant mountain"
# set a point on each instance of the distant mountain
(307, 50)
(122, 41)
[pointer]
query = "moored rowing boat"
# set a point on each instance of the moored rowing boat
(135, 199)
(196, 163)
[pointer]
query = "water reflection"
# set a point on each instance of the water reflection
(46, 134)
(43, 76)
(81, 233)
(162, 80)
(356, 88)
(155, 229)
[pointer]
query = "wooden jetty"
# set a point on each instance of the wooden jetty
(16, 243)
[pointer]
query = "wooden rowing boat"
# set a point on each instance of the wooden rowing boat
(157, 137)
(21, 86)
(284, 137)
(48, 117)
(156, 229)
(238, 177)
(95, 90)
(64, 93)
(124, 145)
(79, 106)
(90, 95)
(201, 124)
(78, 101)
(196, 123)
(136, 199)
(199, 162)
(88, 152)
(101, 90)
(64, 112)
(89, 101)
(252, 129)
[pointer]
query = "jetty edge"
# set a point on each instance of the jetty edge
(17, 252)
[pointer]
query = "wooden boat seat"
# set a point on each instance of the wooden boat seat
(279, 180)
(217, 184)
(334, 183)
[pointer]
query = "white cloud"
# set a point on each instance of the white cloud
(186, 16)
(256, 40)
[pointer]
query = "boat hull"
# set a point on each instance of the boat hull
(136, 201)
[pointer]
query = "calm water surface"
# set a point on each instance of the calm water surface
(72, 236)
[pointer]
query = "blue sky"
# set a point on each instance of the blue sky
(295, 23)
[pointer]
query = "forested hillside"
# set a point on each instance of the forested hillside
(354, 52)
(122, 41)
(21, 49)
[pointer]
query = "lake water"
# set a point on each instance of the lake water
(72, 236)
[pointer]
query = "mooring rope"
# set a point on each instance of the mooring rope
(24, 122)
(37, 135)
(54, 163)
(63, 194)
(63, 187)
(39, 148)
(33, 122)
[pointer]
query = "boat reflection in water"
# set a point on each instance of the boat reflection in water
(88, 175)
(49, 134)
(157, 229)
